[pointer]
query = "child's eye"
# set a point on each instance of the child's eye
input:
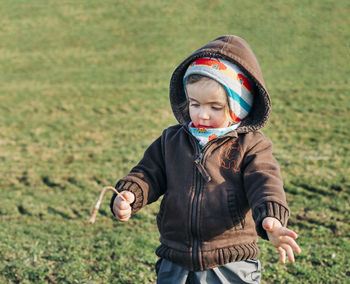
(194, 105)
(217, 107)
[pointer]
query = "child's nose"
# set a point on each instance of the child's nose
(203, 114)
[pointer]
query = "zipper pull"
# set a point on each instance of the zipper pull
(201, 169)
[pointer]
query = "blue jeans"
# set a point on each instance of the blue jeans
(235, 272)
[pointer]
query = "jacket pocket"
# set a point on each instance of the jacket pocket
(236, 205)
(161, 214)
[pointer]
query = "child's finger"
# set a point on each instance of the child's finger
(290, 242)
(123, 205)
(282, 254)
(116, 204)
(124, 219)
(289, 252)
(270, 224)
(129, 197)
(123, 215)
(289, 233)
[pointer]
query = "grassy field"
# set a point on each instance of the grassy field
(84, 90)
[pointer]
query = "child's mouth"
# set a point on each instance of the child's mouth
(203, 126)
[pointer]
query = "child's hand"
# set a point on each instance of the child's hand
(122, 208)
(281, 238)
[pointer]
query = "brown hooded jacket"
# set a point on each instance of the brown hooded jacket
(215, 198)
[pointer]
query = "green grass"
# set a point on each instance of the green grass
(84, 90)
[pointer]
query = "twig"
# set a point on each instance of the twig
(98, 203)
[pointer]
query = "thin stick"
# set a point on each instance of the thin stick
(98, 203)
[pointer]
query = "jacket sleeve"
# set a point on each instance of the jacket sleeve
(263, 183)
(147, 180)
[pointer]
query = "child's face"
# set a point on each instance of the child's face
(208, 105)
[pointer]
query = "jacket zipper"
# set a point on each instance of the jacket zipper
(201, 172)
(193, 228)
(194, 220)
(202, 169)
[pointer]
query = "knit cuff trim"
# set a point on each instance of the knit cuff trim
(269, 209)
(134, 188)
(125, 185)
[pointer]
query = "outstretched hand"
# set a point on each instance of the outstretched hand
(121, 207)
(281, 238)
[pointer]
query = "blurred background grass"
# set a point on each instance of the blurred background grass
(84, 91)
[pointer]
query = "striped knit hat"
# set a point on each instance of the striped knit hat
(231, 77)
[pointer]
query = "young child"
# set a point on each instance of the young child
(221, 186)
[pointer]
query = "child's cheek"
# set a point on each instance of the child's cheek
(193, 116)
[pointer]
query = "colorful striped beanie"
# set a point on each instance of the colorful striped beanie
(231, 77)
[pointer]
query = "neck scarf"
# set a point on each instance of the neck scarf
(204, 135)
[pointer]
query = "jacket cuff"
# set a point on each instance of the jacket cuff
(269, 209)
(124, 185)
